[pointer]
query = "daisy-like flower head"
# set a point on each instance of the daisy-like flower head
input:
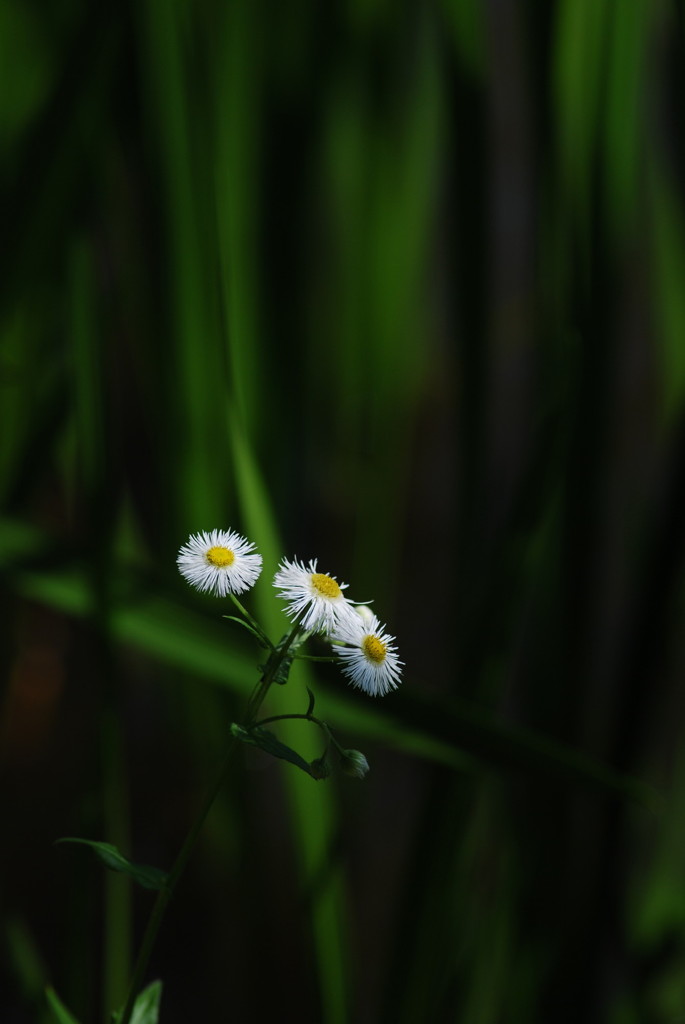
(315, 599)
(221, 562)
(369, 658)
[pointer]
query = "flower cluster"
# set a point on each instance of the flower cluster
(367, 653)
(224, 563)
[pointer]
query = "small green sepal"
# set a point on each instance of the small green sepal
(144, 874)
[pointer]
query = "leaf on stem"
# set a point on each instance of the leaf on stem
(145, 875)
(249, 628)
(146, 1006)
(265, 740)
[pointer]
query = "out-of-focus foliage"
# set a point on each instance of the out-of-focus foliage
(397, 286)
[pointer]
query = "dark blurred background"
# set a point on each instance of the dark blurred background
(401, 286)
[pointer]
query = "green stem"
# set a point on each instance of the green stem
(316, 657)
(253, 622)
(308, 718)
(283, 718)
(272, 666)
(164, 895)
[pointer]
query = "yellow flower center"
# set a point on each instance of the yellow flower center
(374, 649)
(220, 557)
(325, 585)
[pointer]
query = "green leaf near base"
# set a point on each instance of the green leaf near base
(146, 1009)
(146, 1006)
(145, 875)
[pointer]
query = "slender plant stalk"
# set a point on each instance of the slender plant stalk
(307, 718)
(166, 892)
(253, 622)
(316, 657)
(285, 718)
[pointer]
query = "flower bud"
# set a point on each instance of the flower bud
(354, 764)
(319, 768)
(365, 613)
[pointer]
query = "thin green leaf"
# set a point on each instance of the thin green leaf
(60, 1011)
(23, 957)
(248, 627)
(266, 741)
(310, 708)
(146, 1009)
(145, 875)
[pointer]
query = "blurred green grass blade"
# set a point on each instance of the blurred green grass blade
(96, 478)
(467, 18)
(399, 359)
(86, 377)
(405, 188)
(20, 543)
(578, 65)
(382, 186)
(667, 245)
(199, 383)
(174, 635)
(474, 730)
(33, 405)
(448, 732)
(373, 724)
(118, 915)
(60, 1013)
(20, 352)
(27, 66)
(259, 521)
(345, 151)
(629, 36)
(38, 198)
(312, 803)
(657, 897)
(236, 172)
(24, 958)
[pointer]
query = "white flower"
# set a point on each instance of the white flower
(220, 562)
(315, 599)
(369, 658)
